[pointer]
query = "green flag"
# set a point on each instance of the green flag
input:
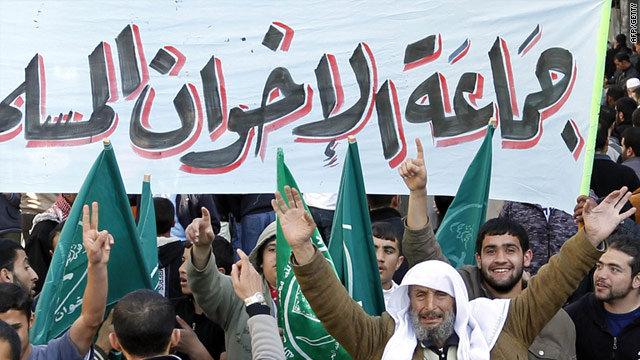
(304, 335)
(459, 228)
(351, 246)
(147, 232)
(60, 302)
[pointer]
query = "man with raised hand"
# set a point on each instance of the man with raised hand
(15, 302)
(482, 328)
(213, 291)
(265, 336)
(502, 252)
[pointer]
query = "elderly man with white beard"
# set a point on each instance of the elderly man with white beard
(496, 329)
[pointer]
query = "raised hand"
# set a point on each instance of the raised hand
(600, 220)
(189, 343)
(246, 280)
(96, 243)
(578, 209)
(414, 171)
(297, 224)
(199, 232)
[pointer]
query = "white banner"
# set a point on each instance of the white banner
(200, 94)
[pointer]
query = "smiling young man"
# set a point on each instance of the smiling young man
(502, 253)
(496, 329)
(608, 320)
(387, 244)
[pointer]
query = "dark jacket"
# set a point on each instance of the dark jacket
(169, 261)
(210, 334)
(608, 176)
(38, 249)
(594, 340)
(10, 213)
(189, 207)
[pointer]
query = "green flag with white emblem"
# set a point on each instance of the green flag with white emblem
(304, 336)
(60, 301)
(459, 228)
(351, 246)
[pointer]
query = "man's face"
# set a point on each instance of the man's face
(430, 305)
(432, 313)
(183, 272)
(501, 262)
(21, 323)
(70, 198)
(612, 277)
(269, 263)
(621, 65)
(627, 152)
(389, 259)
(22, 273)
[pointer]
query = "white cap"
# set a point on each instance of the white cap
(633, 83)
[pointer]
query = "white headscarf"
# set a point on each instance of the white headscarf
(478, 323)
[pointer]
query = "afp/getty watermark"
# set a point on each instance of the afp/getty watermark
(633, 21)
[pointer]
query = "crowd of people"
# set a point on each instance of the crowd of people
(547, 284)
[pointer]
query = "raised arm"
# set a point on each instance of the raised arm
(212, 290)
(414, 174)
(419, 243)
(98, 247)
(363, 336)
(200, 233)
(265, 336)
(548, 290)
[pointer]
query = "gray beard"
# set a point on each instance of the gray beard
(438, 334)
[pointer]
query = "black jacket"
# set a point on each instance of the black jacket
(593, 337)
(189, 207)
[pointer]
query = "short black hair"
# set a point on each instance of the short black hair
(622, 56)
(631, 138)
(601, 136)
(386, 231)
(635, 117)
(8, 253)
(143, 321)
(55, 231)
(502, 226)
(223, 251)
(621, 39)
(623, 240)
(607, 116)
(165, 214)
(615, 92)
(14, 297)
(9, 334)
(626, 106)
(376, 201)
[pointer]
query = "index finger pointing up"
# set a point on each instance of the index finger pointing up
(420, 154)
(86, 224)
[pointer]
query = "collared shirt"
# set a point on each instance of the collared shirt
(441, 352)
